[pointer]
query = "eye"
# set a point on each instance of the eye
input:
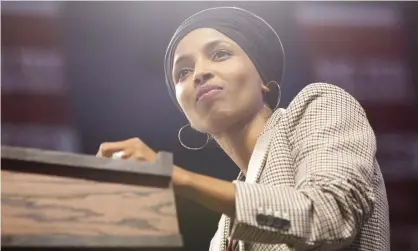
(182, 74)
(220, 55)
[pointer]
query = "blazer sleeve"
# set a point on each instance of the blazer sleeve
(333, 147)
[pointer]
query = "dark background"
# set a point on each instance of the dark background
(76, 74)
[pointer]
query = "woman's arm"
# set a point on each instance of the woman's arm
(215, 194)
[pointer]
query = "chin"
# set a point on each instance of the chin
(217, 121)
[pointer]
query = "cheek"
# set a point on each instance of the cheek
(243, 78)
(180, 95)
(183, 96)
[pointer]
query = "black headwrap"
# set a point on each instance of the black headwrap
(254, 35)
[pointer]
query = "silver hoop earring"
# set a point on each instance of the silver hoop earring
(279, 97)
(188, 147)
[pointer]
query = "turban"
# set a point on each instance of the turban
(254, 35)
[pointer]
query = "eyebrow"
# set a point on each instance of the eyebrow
(207, 47)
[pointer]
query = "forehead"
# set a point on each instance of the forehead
(197, 39)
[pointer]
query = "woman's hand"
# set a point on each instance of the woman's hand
(133, 148)
(136, 149)
(215, 194)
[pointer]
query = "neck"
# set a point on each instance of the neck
(239, 142)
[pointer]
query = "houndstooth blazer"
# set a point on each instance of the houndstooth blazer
(313, 182)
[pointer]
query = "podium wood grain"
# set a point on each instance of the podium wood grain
(41, 210)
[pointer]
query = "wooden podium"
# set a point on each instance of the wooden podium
(71, 201)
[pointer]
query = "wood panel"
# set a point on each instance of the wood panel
(58, 199)
(48, 208)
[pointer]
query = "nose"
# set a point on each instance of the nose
(201, 73)
(201, 78)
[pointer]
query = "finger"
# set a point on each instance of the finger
(107, 149)
(133, 154)
(138, 156)
(127, 153)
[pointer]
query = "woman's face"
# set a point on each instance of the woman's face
(216, 83)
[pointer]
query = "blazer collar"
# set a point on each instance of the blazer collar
(274, 119)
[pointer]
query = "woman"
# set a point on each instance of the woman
(309, 178)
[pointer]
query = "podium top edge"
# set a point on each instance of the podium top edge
(31, 160)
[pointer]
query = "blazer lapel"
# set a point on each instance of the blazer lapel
(259, 157)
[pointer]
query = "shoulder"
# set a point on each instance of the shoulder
(313, 99)
(323, 98)
(321, 91)
(323, 112)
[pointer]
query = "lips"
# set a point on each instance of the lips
(204, 89)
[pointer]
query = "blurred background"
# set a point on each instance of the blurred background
(75, 74)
